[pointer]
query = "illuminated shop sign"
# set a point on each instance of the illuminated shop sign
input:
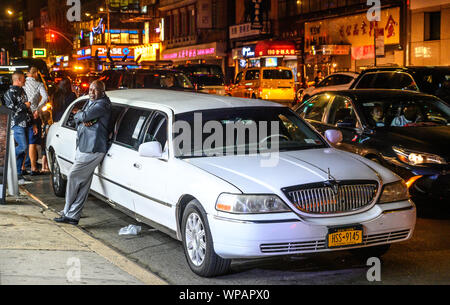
(211, 50)
(116, 52)
(147, 52)
(275, 48)
(248, 52)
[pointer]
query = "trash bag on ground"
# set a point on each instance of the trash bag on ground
(130, 230)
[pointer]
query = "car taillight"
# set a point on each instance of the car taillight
(85, 85)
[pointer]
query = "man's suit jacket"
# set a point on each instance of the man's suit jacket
(94, 138)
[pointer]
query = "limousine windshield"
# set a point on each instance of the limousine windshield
(238, 131)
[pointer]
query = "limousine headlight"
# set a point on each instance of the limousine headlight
(415, 158)
(250, 204)
(396, 191)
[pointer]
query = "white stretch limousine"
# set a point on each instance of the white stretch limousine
(284, 191)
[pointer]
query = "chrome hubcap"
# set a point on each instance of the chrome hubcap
(195, 239)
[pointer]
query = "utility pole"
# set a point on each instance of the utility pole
(108, 43)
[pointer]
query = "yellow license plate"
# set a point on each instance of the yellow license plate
(349, 236)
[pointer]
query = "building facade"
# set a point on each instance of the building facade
(429, 33)
(337, 35)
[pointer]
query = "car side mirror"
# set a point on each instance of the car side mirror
(151, 150)
(334, 136)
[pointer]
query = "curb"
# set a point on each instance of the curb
(98, 247)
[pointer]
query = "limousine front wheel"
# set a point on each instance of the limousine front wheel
(197, 242)
(58, 182)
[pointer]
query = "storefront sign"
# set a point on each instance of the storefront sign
(147, 52)
(116, 52)
(275, 48)
(194, 52)
(248, 52)
(243, 30)
(354, 30)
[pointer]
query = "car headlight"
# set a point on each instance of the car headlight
(396, 191)
(415, 158)
(250, 204)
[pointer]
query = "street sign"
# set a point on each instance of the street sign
(39, 53)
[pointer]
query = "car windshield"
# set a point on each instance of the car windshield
(424, 111)
(163, 80)
(241, 131)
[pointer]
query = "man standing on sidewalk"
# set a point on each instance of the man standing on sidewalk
(92, 144)
(16, 100)
(38, 97)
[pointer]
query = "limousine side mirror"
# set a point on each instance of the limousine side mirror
(334, 136)
(151, 150)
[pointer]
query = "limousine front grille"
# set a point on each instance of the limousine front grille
(331, 198)
(317, 245)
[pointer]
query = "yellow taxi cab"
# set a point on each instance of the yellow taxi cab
(268, 83)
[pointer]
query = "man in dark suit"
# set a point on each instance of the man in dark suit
(92, 144)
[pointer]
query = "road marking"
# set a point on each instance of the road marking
(100, 248)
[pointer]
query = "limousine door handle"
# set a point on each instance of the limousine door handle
(137, 165)
(109, 155)
(57, 135)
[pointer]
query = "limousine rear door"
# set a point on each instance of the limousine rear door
(117, 178)
(151, 175)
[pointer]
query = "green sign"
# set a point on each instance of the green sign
(25, 53)
(39, 53)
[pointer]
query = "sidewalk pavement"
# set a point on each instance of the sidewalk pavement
(34, 250)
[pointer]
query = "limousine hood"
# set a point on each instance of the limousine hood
(255, 174)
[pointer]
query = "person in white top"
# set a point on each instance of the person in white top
(410, 115)
(38, 97)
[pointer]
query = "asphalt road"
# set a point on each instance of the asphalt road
(424, 259)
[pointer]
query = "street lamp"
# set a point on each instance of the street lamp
(9, 12)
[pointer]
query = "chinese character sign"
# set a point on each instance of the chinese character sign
(355, 30)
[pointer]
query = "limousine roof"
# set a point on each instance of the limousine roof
(179, 101)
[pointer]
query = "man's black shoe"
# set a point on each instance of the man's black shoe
(25, 173)
(35, 173)
(64, 219)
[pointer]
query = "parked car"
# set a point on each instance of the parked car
(309, 198)
(206, 78)
(146, 79)
(430, 80)
(408, 132)
(333, 82)
(272, 84)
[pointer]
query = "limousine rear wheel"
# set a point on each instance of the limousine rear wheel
(198, 245)
(58, 182)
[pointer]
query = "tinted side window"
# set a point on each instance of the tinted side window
(70, 122)
(314, 108)
(157, 129)
(329, 81)
(252, 74)
(131, 126)
(341, 111)
(277, 74)
(387, 80)
(238, 77)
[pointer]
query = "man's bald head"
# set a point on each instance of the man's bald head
(18, 79)
(97, 90)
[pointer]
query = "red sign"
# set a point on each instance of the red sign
(275, 48)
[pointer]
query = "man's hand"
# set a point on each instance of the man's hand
(28, 104)
(35, 130)
(89, 124)
(35, 115)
